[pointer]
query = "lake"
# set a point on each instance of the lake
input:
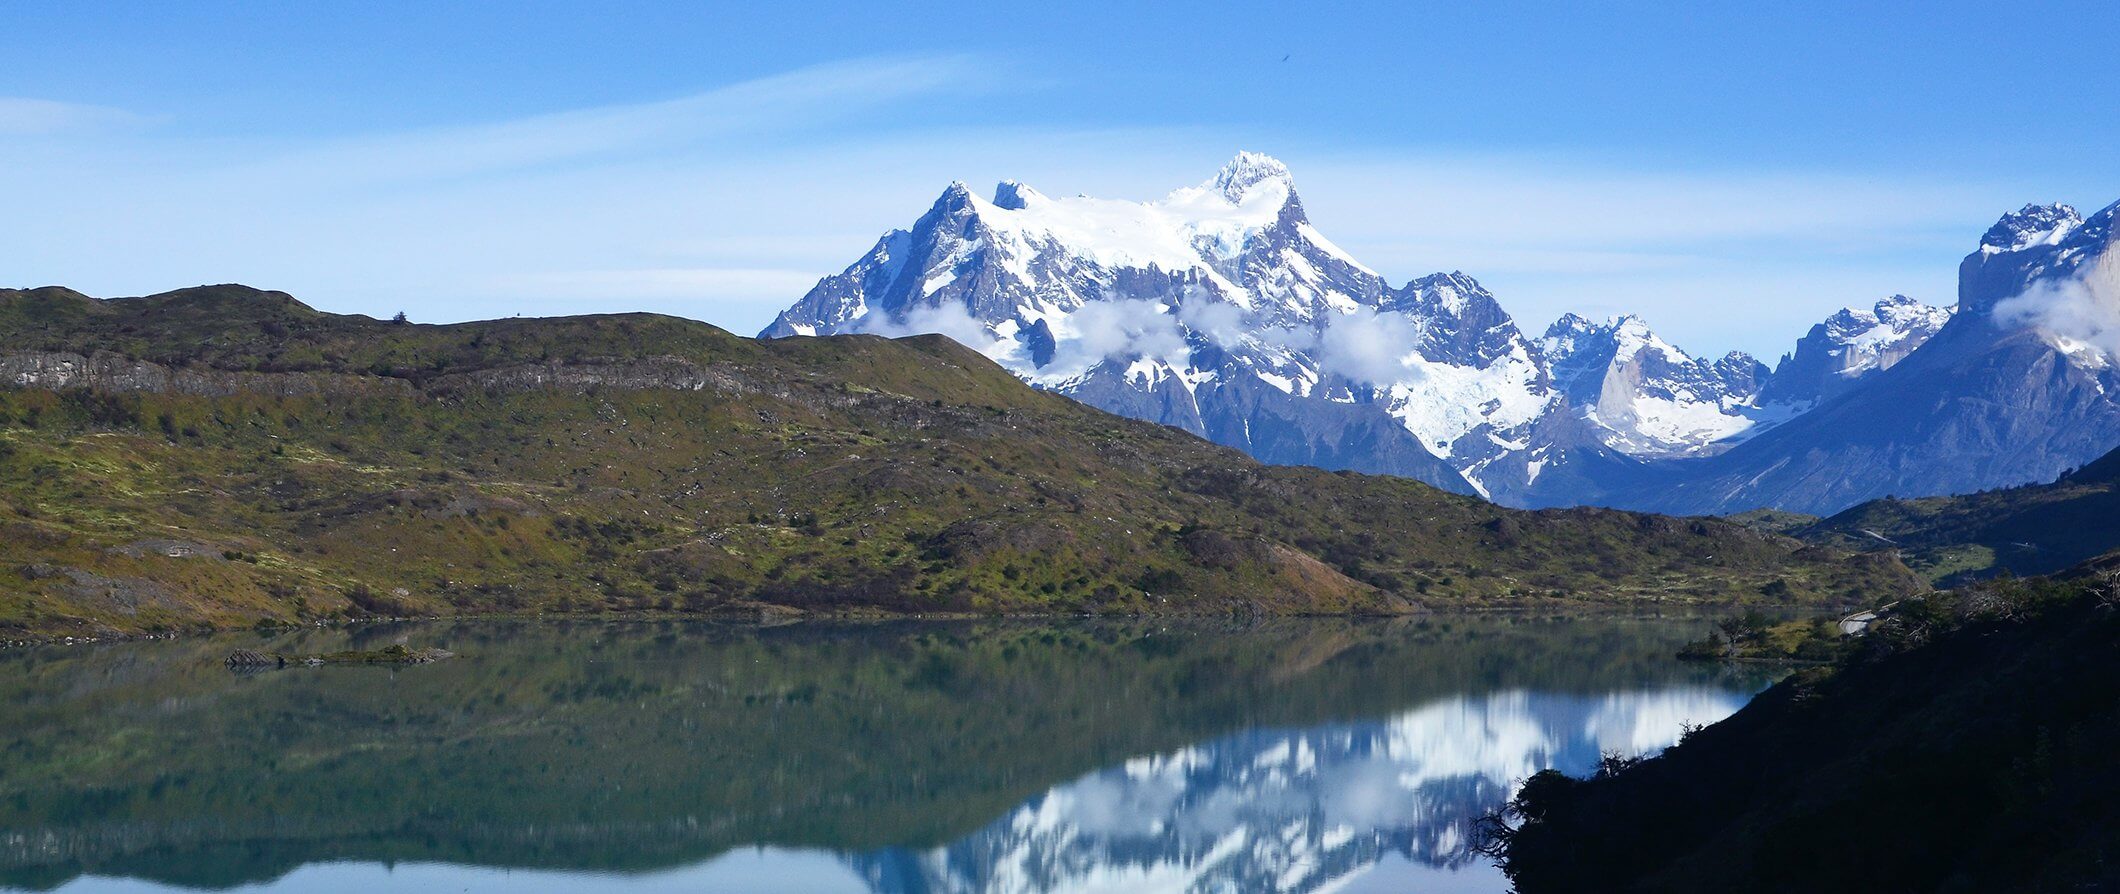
(902, 757)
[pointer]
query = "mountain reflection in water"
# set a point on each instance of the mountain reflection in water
(964, 757)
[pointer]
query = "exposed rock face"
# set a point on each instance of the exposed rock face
(165, 548)
(105, 371)
(109, 372)
(634, 374)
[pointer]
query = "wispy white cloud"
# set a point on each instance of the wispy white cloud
(798, 100)
(21, 116)
(728, 204)
(719, 121)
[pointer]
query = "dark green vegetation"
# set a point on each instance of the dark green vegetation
(1967, 745)
(1754, 636)
(1773, 521)
(2036, 529)
(223, 455)
(641, 745)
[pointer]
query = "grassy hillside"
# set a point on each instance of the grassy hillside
(1773, 520)
(2036, 529)
(223, 456)
(1966, 747)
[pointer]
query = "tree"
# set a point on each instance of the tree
(1746, 628)
(400, 319)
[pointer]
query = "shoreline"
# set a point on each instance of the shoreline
(768, 616)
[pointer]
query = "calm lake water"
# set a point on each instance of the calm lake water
(900, 757)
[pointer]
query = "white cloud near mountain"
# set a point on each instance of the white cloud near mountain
(952, 320)
(1365, 346)
(2076, 312)
(1222, 324)
(1121, 330)
(1369, 346)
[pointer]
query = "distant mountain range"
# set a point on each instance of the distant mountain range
(1221, 310)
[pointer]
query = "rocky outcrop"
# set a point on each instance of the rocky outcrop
(105, 371)
(637, 374)
(110, 372)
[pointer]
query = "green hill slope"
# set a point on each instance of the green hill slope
(2036, 529)
(222, 455)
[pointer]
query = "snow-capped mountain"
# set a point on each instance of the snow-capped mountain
(2018, 385)
(1221, 309)
(2030, 226)
(1645, 397)
(1295, 810)
(1849, 346)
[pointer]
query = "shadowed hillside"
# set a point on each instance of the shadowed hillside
(2035, 529)
(1966, 747)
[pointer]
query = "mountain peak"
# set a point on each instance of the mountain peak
(1570, 324)
(1631, 323)
(1456, 279)
(956, 201)
(1902, 312)
(1237, 179)
(1015, 196)
(2029, 226)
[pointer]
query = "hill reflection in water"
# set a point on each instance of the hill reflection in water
(901, 757)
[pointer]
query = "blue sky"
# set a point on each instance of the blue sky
(1730, 174)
